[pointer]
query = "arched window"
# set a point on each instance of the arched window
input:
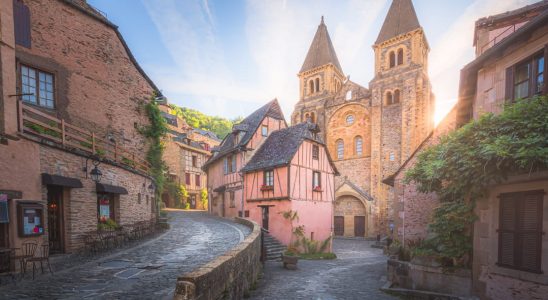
(340, 149)
(348, 95)
(312, 117)
(400, 57)
(317, 84)
(392, 58)
(358, 142)
(311, 86)
(389, 98)
(396, 96)
(306, 117)
(349, 120)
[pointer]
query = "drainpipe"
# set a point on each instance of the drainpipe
(403, 218)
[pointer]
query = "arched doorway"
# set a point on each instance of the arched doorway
(350, 217)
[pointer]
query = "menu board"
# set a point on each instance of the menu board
(104, 209)
(32, 221)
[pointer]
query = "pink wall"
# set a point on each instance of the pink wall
(254, 181)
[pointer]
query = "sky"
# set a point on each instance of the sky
(228, 58)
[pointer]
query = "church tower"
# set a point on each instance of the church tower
(320, 77)
(402, 104)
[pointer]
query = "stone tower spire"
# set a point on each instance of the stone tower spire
(321, 51)
(401, 18)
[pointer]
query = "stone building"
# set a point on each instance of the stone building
(71, 104)
(186, 150)
(510, 251)
(370, 131)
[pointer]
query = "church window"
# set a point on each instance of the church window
(396, 97)
(392, 157)
(349, 120)
(317, 84)
(348, 95)
(312, 117)
(311, 86)
(389, 98)
(400, 57)
(359, 145)
(392, 58)
(340, 149)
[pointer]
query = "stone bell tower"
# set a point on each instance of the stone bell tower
(402, 104)
(320, 77)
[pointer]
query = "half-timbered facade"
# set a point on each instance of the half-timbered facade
(292, 171)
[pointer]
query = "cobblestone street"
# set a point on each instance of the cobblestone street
(147, 271)
(357, 273)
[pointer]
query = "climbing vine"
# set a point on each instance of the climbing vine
(155, 132)
(465, 162)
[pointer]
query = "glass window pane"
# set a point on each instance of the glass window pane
(522, 90)
(522, 73)
(540, 64)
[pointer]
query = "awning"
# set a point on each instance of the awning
(113, 189)
(61, 181)
(220, 189)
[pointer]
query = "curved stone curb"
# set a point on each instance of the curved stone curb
(229, 276)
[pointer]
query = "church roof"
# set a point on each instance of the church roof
(321, 51)
(401, 18)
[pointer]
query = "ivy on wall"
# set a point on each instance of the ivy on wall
(465, 162)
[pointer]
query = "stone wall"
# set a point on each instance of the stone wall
(229, 276)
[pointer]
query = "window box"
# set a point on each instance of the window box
(30, 219)
(317, 189)
(267, 187)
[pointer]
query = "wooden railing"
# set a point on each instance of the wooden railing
(37, 123)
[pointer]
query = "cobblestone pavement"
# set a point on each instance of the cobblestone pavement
(148, 271)
(357, 273)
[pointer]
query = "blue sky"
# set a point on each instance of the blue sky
(227, 58)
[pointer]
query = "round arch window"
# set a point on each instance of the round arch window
(349, 120)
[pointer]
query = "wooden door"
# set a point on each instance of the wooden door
(359, 226)
(265, 216)
(55, 219)
(339, 225)
(193, 201)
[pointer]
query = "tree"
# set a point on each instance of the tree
(218, 125)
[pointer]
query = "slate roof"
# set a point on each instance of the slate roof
(280, 147)
(206, 133)
(321, 51)
(245, 130)
(401, 18)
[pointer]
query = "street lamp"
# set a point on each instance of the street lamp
(95, 173)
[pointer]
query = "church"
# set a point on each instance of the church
(369, 131)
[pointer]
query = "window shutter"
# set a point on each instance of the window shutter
(21, 22)
(507, 230)
(234, 163)
(530, 230)
(509, 90)
(545, 90)
(226, 165)
(4, 214)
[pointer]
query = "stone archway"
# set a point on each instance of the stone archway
(350, 217)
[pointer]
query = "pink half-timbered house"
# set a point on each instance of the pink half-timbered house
(224, 180)
(292, 171)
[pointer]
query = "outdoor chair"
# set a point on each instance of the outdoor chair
(43, 257)
(6, 256)
(25, 252)
(91, 243)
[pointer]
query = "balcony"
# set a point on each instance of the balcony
(37, 125)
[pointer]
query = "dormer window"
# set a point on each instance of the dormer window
(264, 130)
(348, 95)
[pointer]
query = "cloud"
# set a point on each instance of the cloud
(454, 50)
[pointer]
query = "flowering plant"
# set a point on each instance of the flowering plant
(265, 187)
(317, 188)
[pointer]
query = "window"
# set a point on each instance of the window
(349, 120)
(315, 151)
(520, 230)
(317, 84)
(389, 98)
(230, 164)
(232, 199)
(348, 95)
(312, 117)
(391, 156)
(139, 198)
(187, 178)
(316, 181)
(392, 58)
(340, 149)
(21, 22)
(38, 86)
(396, 97)
(264, 130)
(526, 78)
(400, 57)
(225, 166)
(246, 213)
(311, 87)
(233, 167)
(197, 178)
(359, 145)
(194, 161)
(268, 179)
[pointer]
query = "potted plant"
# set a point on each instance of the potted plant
(290, 257)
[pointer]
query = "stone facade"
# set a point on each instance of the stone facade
(388, 130)
(96, 86)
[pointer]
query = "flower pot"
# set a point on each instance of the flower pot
(290, 261)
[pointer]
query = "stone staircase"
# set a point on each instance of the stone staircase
(274, 248)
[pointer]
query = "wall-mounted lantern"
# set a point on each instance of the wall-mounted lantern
(95, 173)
